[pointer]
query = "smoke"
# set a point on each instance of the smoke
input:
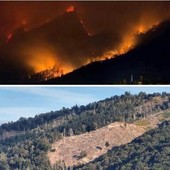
(97, 16)
(118, 20)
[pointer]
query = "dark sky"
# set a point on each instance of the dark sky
(97, 16)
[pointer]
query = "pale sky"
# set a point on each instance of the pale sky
(27, 101)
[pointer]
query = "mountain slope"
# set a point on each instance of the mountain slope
(150, 151)
(147, 63)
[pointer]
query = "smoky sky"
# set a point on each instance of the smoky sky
(97, 16)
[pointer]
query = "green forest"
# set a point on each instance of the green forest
(31, 139)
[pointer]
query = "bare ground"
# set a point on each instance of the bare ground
(70, 149)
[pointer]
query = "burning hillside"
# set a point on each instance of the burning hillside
(56, 47)
(70, 35)
(147, 63)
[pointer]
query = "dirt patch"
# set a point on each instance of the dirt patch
(86, 147)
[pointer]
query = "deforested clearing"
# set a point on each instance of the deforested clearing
(81, 149)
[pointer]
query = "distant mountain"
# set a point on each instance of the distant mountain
(147, 63)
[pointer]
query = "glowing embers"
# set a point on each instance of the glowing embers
(70, 9)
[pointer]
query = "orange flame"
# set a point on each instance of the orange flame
(128, 42)
(70, 9)
(40, 59)
(42, 63)
(141, 29)
(46, 62)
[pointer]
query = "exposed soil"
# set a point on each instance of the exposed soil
(83, 148)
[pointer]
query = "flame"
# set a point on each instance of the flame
(46, 63)
(70, 9)
(141, 29)
(42, 62)
(128, 42)
(39, 58)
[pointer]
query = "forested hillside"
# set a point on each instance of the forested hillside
(126, 107)
(33, 137)
(150, 151)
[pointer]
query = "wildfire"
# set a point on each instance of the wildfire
(70, 9)
(129, 40)
(146, 23)
(46, 63)
(40, 59)
(141, 29)
(127, 43)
